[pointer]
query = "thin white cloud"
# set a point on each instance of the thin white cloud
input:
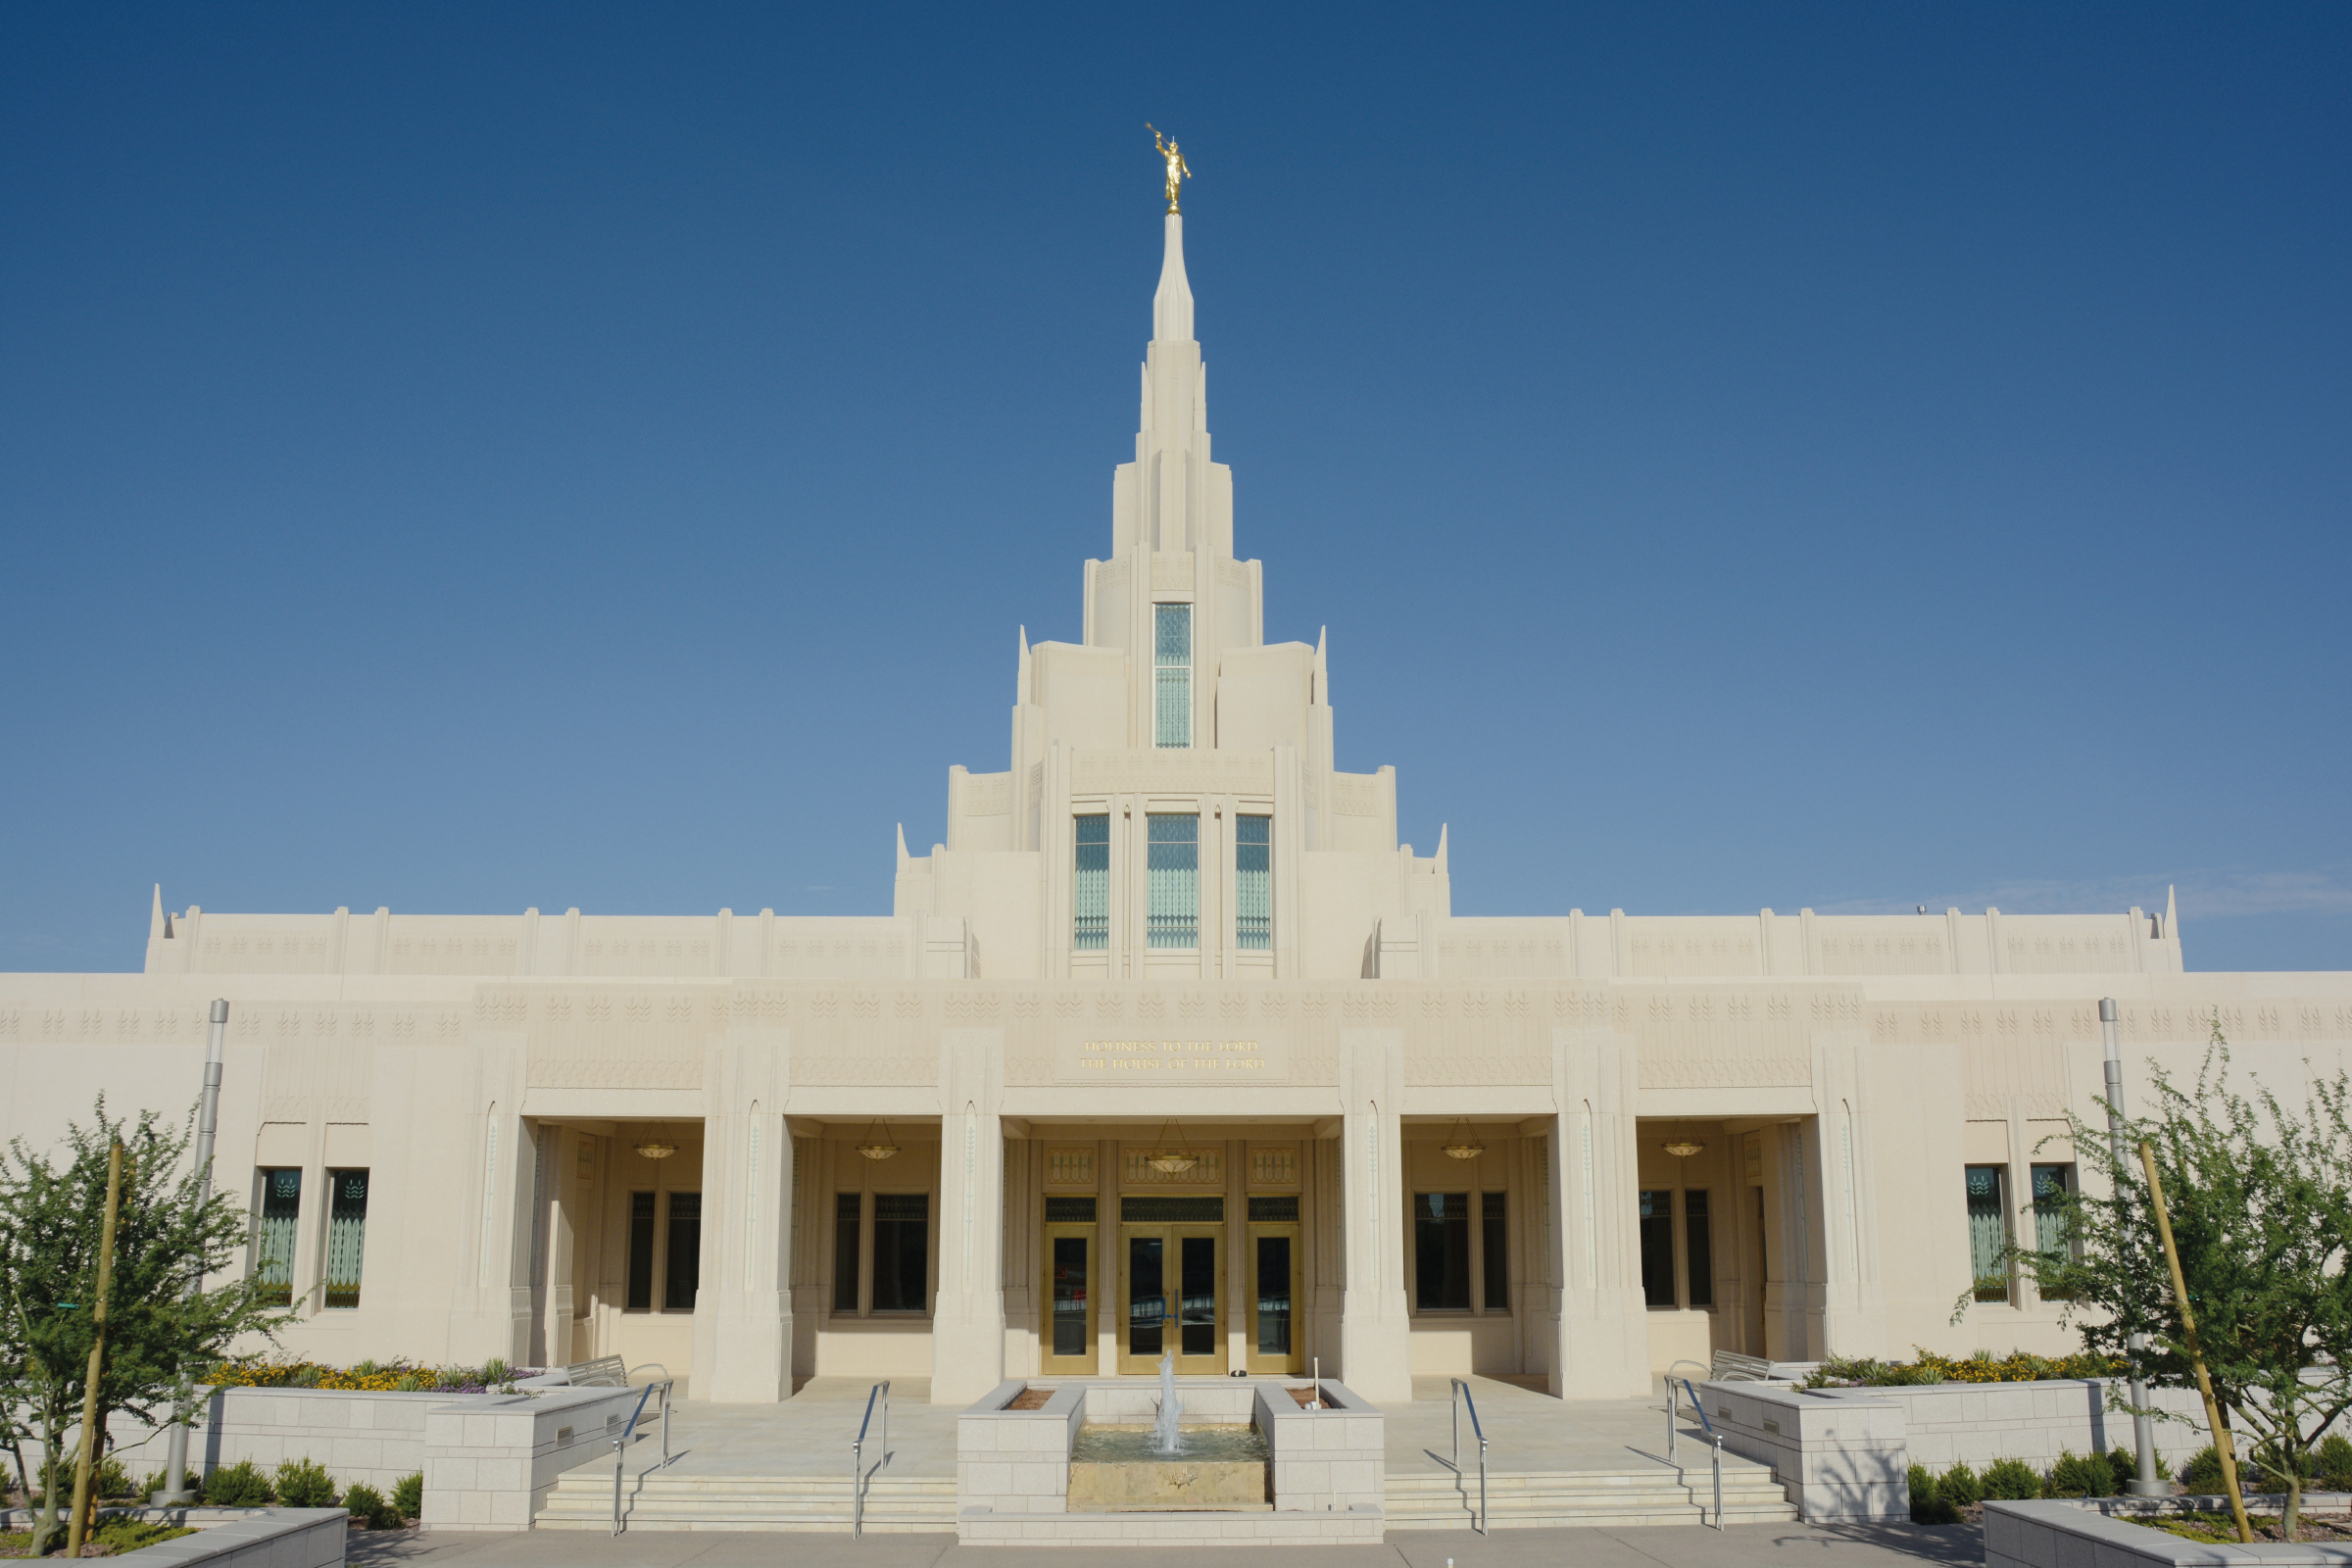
(2204, 895)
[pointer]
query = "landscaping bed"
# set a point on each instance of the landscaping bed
(1928, 1368)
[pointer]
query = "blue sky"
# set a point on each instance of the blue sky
(470, 457)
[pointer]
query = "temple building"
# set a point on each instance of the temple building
(1171, 1047)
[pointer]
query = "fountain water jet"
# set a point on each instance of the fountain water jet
(1164, 1437)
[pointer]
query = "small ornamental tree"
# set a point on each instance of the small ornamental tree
(159, 1333)
(2261, 1204)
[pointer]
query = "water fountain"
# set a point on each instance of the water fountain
(1220, 1464)
(1165, 1439)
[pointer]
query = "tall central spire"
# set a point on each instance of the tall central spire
(1172, 305)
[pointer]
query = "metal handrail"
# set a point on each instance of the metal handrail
(1698, 1408)
(1461, 1397)
(859, 1474)
(620, 1443)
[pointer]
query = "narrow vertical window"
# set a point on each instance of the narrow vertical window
(2051, 1184)
(1442, 1250)
(1657, 1247)
(684, 1274)
(1699, 1248)
(641, 1253)
(1172, 674)
(273, 1243)
(1988, 1233)
(1090, 928)
(846, 1261)
(902, 1250)
(1493, 1236)
(1253, 883)
(1174, 865)
(346, 1235)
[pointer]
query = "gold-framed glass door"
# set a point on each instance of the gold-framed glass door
(1172, 1284)
(1071, 1240)
(1275, 1341)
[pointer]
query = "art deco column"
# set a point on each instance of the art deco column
(1374, 1345)
(1598, 1326)
(967, 1314)
(743, 1312)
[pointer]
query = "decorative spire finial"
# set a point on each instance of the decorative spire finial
(1178, 171)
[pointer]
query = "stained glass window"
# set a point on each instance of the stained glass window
(1090, 930)
(346, 1235)
(1988, 1233)
(2051, 1186)
(273, 1242)
(1253, 883)
(1173, 673)
(1174, 866)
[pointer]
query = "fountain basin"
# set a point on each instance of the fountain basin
(1119, 1469)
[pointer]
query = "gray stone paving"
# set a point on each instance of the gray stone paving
(1657, 1546)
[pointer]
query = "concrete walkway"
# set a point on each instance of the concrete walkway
(1657, 1546)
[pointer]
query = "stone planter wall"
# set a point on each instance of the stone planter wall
(2072, 1534)
(1980, 1422)
(1017, 1461)
(490, 1466)
(488, 1459)
(1841, 1460)
(1325, 1461)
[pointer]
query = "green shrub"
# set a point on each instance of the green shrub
(238, 1486)
(2202, 1474)
(1961, 1487)
(1928, 1506)
(159, 1482)
(2332, 1464)
(2077, 1475)
(408, 1494)
(2126, 1466)
(2011, 1481)
(367, 1505)
(130, 1535)
(303, 1483)
(107, 1480)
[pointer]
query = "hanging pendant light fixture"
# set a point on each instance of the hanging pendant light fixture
(1171, 1158)
(655, 1148)
(1684, 1149)
(877, 1145)
(1463, 1146)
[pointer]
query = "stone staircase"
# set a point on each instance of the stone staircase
(1637, 1495)
(583, 1500)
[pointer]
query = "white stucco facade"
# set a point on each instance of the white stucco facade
(1168, 903)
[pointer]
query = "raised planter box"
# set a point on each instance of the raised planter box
(1843, 1460)
(245, 1537)
(2081, 1535)
(1948, 1423)
(488, 1459)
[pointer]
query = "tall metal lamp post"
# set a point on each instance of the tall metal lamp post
(2143, 1438)
(208, 1122)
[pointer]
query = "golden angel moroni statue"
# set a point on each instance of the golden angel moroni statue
(1178, 172)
